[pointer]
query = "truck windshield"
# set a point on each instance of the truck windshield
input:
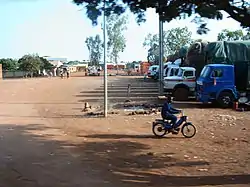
(166, 72)
(180, 72)
(205, 72)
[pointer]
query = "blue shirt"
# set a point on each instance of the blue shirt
(167, 109)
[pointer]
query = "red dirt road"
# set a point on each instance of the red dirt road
(45, 141)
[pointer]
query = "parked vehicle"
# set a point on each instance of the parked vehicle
(162, 127)
(93, 71)
(152, 71)
(223, 84)
(171, 70)
(182, 85)
(229, 79)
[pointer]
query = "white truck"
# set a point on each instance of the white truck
(153, 71)
(93, 71)
(182, 85)
(171, 70)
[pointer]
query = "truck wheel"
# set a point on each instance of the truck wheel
(225, 99)
(181, 94)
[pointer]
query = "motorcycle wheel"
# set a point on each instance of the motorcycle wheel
(159, 130)
(188, 130)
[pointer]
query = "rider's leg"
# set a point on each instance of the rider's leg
(173, 118)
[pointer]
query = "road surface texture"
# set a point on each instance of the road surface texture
(46, 141)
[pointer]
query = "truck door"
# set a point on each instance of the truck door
(216, 81)
(189, 79)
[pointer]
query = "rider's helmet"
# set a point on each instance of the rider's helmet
(169, 99)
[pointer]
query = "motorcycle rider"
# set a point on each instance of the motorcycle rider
(167, 113)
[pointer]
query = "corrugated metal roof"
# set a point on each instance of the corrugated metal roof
(57, 59)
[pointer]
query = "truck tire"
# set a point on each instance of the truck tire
(225, 99)
(181, 94)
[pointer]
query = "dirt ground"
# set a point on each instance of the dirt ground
(46, 141)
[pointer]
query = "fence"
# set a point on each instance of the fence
(16, 74)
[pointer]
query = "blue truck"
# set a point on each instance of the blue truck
(226, 77)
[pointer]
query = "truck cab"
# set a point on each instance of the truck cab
(153, 71)
(217, 84)
(182, 85)
(171, 70)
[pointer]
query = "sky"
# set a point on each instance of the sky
(58, 28)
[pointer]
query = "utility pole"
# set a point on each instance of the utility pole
(105, 63)
(160, 55)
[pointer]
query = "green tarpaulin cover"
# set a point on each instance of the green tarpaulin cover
(183, 51)
(228, 51)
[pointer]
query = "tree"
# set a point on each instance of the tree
(152, 42)
(153, 54)
(31, 63)
(45, 64)
(95, 46)
(116, 25)
(169, 9)
(227, 35)
(9, 64)
(177, 38)
(174, 40)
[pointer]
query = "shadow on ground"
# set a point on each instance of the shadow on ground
(31, 155)
(127, 136)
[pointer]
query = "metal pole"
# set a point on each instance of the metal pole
(105, 64)
(160, 56)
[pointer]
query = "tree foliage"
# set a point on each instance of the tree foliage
(172, 9)
(45, 64)
(116, 25)
(95, 47)
(9, 64)
(227, 35)
(174, 40)
(31, 63)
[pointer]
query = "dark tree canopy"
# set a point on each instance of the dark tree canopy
(9, 64)
(238, 10)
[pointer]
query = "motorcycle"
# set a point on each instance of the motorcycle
(162, 127)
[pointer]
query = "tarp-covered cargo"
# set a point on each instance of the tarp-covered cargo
(228, 52)
(196, 57)
(233, 52)
(183, 52)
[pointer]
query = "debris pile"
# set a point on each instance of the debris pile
(145, 112)
(225, 117)
(96, 114)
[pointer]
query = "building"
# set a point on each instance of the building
(57, 63)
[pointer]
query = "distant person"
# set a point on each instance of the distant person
(67, 74)
(61, 73)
